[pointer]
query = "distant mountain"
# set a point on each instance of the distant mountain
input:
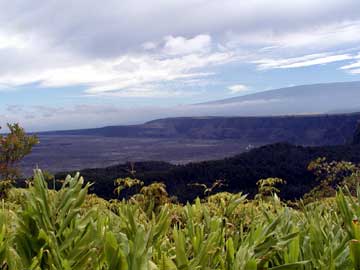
(341, 97)
(304, 130)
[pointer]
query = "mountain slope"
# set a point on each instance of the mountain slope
(341, 97)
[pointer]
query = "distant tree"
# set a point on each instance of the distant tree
(152, 197)
(126, 183)
(330, 176)
(14, 146)
(267, 187)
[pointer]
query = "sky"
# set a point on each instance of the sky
(88, 63)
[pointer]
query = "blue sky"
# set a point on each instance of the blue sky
(73, 64)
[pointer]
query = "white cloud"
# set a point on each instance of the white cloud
(315, 37)
(352, 65)
(303, 61)
(180, 45)
(238, 88)
(11, 41)
(149, 70)
(149, 45)
(354, 71)
(126, 73)
(95, 28)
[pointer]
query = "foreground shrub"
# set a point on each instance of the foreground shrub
(68, 229)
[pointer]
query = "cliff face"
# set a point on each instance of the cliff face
(302, 130)
(356, 139)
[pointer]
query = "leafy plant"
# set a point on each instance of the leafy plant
(68, 229)
(126, 183)
(13, 147)
(331, 175)
(267, 187)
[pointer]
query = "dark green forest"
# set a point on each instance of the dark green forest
(240, 173)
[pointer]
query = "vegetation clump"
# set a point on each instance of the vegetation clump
(13, 147)
(267, 187)
(330, 176)
(67, 229)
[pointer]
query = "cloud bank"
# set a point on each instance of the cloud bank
(132, 46)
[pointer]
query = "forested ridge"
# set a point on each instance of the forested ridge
(240, 172)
